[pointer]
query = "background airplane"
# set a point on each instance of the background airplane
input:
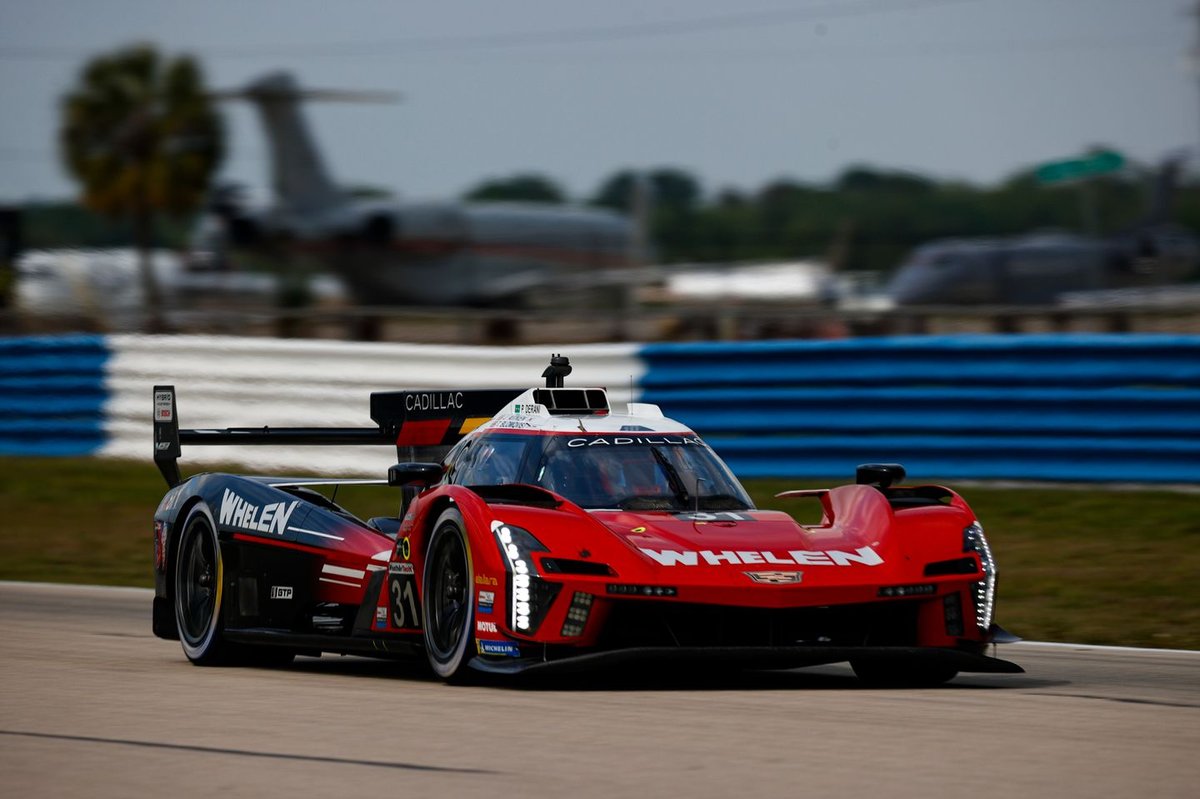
(1039, 268)
(387, 252)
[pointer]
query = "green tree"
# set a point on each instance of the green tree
(669, 188)
(865, 178)
(140, 134)
(518, 188)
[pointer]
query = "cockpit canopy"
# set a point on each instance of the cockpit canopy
(641, 471)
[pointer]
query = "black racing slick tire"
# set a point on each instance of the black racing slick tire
(892, 674)
(199, 578)
(448, 598)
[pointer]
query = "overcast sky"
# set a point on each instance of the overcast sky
(737, 93)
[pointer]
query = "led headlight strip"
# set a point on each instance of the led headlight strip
(983, 593)
(528, 598)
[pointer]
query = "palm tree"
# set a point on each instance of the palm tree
(141, 136)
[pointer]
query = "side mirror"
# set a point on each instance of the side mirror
(419, 474)
(881, 475)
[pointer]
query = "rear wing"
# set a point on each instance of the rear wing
(402, 418)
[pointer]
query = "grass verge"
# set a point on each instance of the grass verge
(1084, 565)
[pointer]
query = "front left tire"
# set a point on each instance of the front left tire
(448, 599)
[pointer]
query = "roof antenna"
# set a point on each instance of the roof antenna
(560, 367)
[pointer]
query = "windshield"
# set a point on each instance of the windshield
(631, 472)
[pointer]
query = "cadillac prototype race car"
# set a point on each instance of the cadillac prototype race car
(555, 534)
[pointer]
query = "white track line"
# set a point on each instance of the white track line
(68, 588)
(1103, 648)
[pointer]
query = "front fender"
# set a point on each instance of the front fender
(487, 565)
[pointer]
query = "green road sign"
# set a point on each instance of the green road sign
(1098, 163)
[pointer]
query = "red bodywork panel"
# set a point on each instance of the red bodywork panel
(861, 545)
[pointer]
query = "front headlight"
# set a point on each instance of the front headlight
(528, 597)
(983, 593)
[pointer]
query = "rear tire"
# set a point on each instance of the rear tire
(199, 578)
(448, 598)
(898, 674)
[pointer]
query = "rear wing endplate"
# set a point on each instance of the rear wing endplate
(402, 418)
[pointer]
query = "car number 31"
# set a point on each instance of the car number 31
(404, 603)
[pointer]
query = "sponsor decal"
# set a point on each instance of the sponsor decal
(486, 627)
(162, 406)
(404, 548)
(162, 446)
(621, 441)
(865, 556)
(434, 401)
(169, 500)
(483, 579)
(513, 424)
(406, 613)
(401, 568)
(776, 578)
(281, 592)
(381, 617)
(505, 648)
(487, 597)
(160, 545)
(271, 519)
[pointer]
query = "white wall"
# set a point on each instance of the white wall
(224, 381)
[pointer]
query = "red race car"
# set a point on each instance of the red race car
(559, 534)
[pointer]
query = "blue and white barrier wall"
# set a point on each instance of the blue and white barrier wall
(53, 393)
(248, 382)
(1038, 407)
(1053, 407)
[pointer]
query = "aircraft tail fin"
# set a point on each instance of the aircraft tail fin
(298, 173)
(1162, 191)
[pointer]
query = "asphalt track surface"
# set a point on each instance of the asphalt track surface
(91, 704)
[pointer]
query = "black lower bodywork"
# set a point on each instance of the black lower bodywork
(751, 657)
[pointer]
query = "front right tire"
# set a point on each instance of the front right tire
(448, 599)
